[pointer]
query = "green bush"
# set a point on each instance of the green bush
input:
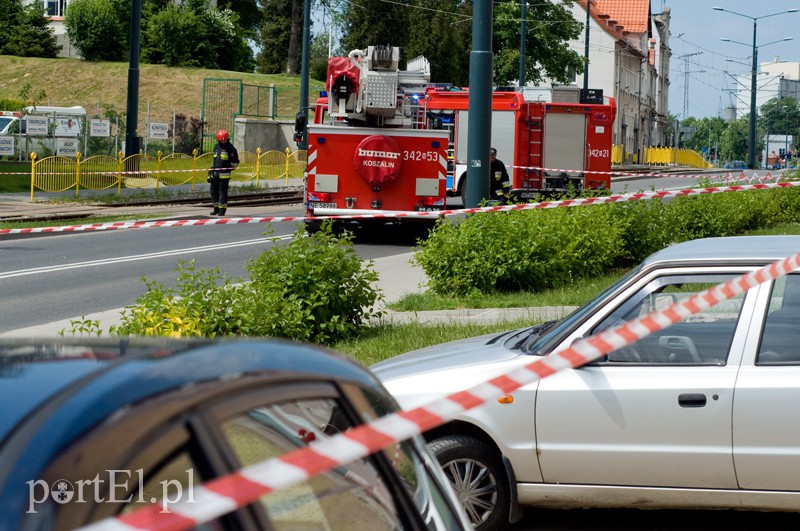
(96, 29)
(536, 249)
(525, 250)
(314, 289)
(204, 303)
(12, 105)
(644, 228)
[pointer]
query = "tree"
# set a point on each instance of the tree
(707, 133)
(371, 22)
(273, 36)
(94, 27)
(441, 34)
(780, 116)
(24, 31)
(550, 26)
(733, 145)
(194, 34)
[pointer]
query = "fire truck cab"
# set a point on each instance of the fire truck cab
(370, 153)
(548, 147)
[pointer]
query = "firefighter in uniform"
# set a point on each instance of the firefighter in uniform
(499, 182)
(226, 158)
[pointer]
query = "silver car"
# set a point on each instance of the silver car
(702, 414)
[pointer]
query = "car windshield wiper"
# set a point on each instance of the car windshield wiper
(534, 331)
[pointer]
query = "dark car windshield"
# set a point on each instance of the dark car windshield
(544, 344)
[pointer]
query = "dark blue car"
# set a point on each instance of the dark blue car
(95, 429)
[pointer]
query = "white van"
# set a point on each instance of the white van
(7, 121)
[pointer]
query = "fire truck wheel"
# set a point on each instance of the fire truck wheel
(313, 226)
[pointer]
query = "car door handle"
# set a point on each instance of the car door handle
(692, 400)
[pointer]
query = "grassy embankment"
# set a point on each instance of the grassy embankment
(93, 85)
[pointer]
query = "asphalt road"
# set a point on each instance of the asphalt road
(47, 278)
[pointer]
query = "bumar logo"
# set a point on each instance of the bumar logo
(113, 486)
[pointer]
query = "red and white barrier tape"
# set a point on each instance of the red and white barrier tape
(617, 198)
(228, 493)
(627, 173)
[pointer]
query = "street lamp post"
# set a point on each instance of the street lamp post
(751, 160)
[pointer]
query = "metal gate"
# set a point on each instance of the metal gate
(225, 99)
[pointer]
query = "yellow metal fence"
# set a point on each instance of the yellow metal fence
(101, 172)
(664, 157)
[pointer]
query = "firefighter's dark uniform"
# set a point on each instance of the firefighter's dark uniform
(225, 158)
(499, 182)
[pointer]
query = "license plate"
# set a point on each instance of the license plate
(315, 204)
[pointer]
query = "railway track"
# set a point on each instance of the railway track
(282, 197)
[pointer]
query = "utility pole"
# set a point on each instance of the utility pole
(131, 122)
(303, 114)
(480, 104)
(686, 73)
(523, 34)
(586, 48)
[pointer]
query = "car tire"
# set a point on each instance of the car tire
(478, 478)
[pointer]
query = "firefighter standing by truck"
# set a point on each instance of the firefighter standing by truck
(499, 182)
(226, 158)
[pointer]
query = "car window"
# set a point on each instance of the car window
(780, 338)
(174, 480)
(700, 339)
(352, 496)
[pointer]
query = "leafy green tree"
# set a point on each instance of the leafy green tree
(247, 11)
(550, 26)
(707, 133)
(24, 31)
(780, 116)
(193, 34)
(273, 36)
(734, 141)
(96, 30)
(372, 22)
(441, 34)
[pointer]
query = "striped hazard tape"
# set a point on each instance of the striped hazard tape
(641, 174)
(617, 198)
(228, 493)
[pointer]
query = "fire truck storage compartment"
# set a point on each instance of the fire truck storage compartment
(564, 143)
(502, 135)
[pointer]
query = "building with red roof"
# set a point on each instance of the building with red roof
(629, 58)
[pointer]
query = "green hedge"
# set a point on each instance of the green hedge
(538, 249)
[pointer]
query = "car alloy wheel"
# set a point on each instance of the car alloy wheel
(477, 477)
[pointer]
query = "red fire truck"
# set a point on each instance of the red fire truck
(369, 148)
(548, 146)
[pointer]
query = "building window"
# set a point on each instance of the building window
(55, 8)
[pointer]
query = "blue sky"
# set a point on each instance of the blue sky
(696, 27)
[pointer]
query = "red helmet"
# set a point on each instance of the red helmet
(222, 135)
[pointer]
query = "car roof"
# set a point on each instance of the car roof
(98, 378)
(745, 250)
